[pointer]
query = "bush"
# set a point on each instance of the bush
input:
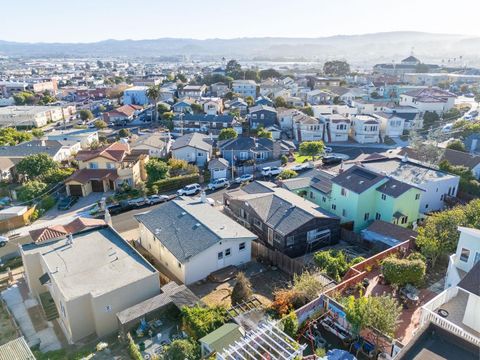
(181, 167)
(200, 321)
(286, 300)
(332, 262)
(403, 271)
(133, 350)
(183, 350)
(175, 182)
(284, 159)
(287, 174)
(47, 202)
(307, 285)
(242, 291)
(30, 190)
(290, 324)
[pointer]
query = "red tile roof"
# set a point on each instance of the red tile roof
(85, 175)
(114, 152)
(58, 231)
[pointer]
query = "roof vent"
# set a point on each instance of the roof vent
(348, 177)
(157, 231)
(196, 226)
(361, 182)
(394, 186)
(183, 213)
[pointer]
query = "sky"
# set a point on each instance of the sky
(95, 20)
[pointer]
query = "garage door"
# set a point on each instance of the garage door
(97, 186)
(75, 190)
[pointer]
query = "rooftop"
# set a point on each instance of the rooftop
(97, 262)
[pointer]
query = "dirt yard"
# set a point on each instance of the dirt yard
(7, 331)
(264, 282)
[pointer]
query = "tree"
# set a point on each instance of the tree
(100, 124)
(162, 108)
(242, 291)
(356, 313)
(182, 349)
(430, 118)
(269, 73)
(307, 285)
(31, 190)
(197, 108)
(426, 151)
(456, 145)
(36, 166)
(55, 176)
(38, 133)
(311, 148)
(24, 98)
(280, 102)
(10, 136)
(287, 174)
(250, 100)
(124, 133)
(233, 68)
(307, 110)
(403, 271)
(262, 133)
(153, 94)
(452, 114)
(227, 133)
(375, 95)
(290, 324)
(199, 321)
(334, 263)
(86, 114)
(336, 68)
(156, 170)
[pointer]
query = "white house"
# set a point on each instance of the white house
(193, 148)
(285, 118)
(390, 124)
(218, 168)
(191, 239)
(136, 95)
(245, 88)
(365, 129)
(337, 127)
(307, 128)
(466, 256)
(429, 99)
(157, 144)
(213, 106)
(84, 136)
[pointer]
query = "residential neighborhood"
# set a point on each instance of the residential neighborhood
(236, 196)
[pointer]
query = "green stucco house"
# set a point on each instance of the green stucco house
(359, 196)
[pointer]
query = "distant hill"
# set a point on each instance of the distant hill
(367, 48)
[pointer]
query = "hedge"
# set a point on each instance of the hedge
(175, 183)
(403, 271)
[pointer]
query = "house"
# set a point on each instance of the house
(194, 91)
(193, 148)
(85, 278)
(156, 144)
(213, 124)
(282, 220)
(429, 99)
(213, 106)
(437, 185)
(275, 131)
(107, 168)
(219, 89)
(83, 136)
(318, 82)
(237, 104)
(263, 100)
(337, 127)
(391, 124)
(472, 143)
(29, 116)
(465, 258)
(123, 114)
(184, 106)
(190, 239)
(245, 88)
(359, 195)
(221, 338)
(242, 149)
(316, 97)
(456, 309)
(307, 128)
(218, 168)
(407, 65)
(365, 129)
(136, 95)
(262, 116)
(285, 118)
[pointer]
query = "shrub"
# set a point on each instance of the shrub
(30, 190)
(47, 202)
(307, 285)
(183, 350)
(286, 300)
(287, 174)
(242, 291)
(133, 350)
(403, 271)
(332, 262)
(200, 321)
(284, 159)
(175, 182)
(290, 324)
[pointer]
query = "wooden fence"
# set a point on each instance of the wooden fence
(16, 221)
(276, 258)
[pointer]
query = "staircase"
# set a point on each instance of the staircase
(48, 306)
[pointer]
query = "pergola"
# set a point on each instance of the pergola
(267, 342)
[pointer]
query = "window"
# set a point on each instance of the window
(108, 308)
(257, 223)
(384, 197)
(290, 240)
(200, 154)
(110, 165)
(93, 165)
(417, 196)
(277, 237)
(241, 246)
(404, 219)
(312, 195)
(465, 253)
(227, 252)
(366, 216)
(343, 192)
(334, 207)
(441, 198)
(220, 255)
(324, 199)
(243, 214)
(378, 216)
(426, 206)
(317, 234)
(344, 212)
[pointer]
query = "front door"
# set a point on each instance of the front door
(220, 260)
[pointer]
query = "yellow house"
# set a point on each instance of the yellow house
(107, 169)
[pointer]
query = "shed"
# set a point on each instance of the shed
(12, 211)
(221, 338)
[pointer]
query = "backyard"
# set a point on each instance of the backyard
(7, 329)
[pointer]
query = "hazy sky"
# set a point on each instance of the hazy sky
(93, 20)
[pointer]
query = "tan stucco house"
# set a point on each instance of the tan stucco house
(86, 278)
(107, 168)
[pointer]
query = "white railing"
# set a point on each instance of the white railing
(428, 315)
(442, 298)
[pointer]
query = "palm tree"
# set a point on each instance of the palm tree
(153, 93)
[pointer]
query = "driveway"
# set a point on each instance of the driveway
(77, 209)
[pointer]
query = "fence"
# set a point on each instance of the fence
(351, 237)
(249, 168)
(276, 258)
(16, 221)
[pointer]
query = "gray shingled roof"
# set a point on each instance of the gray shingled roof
(30, 148)
(394, 188)
(471, 281)
(357, 179)
(196, 140)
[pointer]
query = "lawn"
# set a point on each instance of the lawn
(301, 158)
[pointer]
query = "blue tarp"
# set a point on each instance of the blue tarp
(337, 354)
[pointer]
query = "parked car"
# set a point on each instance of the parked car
(119, 208)
(244, 178)
(67, 202)
(302, 167)
(138, 202)
(218, 183)
(157, 199)
(191, 189)
(271, 170)
(3, 241)
(330, 160)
